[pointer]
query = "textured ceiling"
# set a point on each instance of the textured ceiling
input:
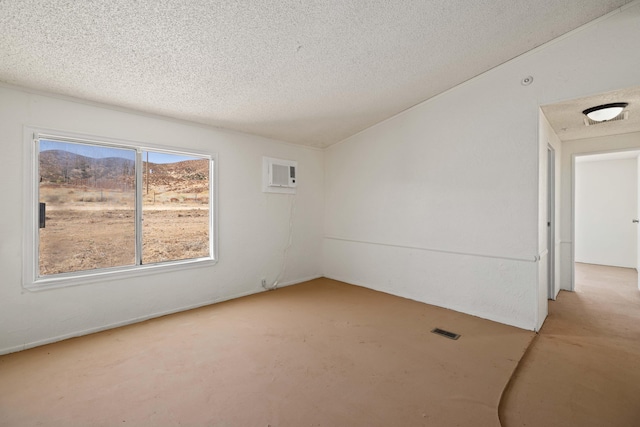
(307, 72)
(567, 120)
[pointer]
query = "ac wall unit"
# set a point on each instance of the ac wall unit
(279, 176)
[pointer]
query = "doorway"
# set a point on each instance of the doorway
(606, 200)
(564, 126)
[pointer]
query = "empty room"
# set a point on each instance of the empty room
(320, 213)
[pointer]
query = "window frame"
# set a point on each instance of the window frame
(33, 281)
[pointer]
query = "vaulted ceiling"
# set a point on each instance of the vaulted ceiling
(303, 71)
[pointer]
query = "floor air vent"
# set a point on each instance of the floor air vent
(446, 334)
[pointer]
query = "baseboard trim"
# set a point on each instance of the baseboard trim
(498, 319)
(139, 319)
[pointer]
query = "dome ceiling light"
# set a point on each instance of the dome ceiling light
(605, 112)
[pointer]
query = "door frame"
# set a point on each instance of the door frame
(551, 222)
(573, 204)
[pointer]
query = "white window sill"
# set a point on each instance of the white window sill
(104, 275)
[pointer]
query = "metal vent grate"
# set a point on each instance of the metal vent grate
(280, 175)
(446, 334)
(623, 116)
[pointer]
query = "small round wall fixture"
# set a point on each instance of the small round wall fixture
(602, 113)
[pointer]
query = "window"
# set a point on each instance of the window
(102, 207)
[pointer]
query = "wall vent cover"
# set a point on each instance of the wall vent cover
(446, 334)
(280, 175)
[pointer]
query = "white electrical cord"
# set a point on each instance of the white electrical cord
(292, 209)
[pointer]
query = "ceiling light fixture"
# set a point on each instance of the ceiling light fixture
(605, 112)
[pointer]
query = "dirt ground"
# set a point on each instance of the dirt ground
(78, 238)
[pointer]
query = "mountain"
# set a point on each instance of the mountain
(63, 167)
(59, 166)
(187, 176)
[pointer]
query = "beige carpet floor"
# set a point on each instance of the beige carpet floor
(322, 353)
(583, 369)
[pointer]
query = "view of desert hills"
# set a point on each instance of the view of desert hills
(90, 211)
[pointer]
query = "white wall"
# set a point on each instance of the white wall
(440, 203)
(606, 200)
(570, 150)
(253, 225)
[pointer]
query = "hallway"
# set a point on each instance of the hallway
(583, 368)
